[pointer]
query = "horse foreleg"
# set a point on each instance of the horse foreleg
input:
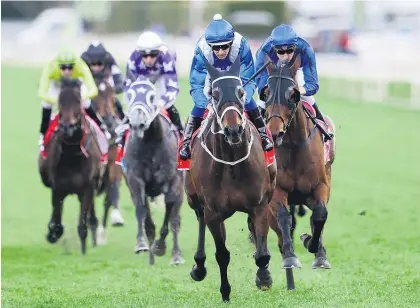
(114, 193)
(262, 255)
(55, 227)
(217, 229)
(293, 227)
(137, 189)
(199, 271)
(251, 229)
(86, 201)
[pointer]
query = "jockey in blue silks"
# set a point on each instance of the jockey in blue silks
(282, 44)
(220, 45)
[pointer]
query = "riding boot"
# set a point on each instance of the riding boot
(318, 113)
(192, 125)
(319, 116)
(176, 120)
(45, 123)
(92, 114)
(256, 118)
(119, 109)
(120, 140)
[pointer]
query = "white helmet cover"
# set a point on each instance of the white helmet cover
(149, 41)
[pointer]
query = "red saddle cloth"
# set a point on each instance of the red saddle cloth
(52, 128)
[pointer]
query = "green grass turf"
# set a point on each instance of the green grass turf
(375, 257)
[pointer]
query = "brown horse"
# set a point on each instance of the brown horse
(229, 173)
(72, 163)
(104, 104)
(303, 175)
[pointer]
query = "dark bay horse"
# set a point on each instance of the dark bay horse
(229, 173)
(150, 161)
(104, 104)
(303, 174)
(72, 164)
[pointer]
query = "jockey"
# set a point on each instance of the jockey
(282, 44)
(66, 65)
(153, 60)
(220, 45)
(100, 61)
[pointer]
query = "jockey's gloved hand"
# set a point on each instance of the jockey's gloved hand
(104, 128)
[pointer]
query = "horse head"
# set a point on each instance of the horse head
(283, 97)
(70, 109)
(142, 109)
(228, 100)
(104, 102)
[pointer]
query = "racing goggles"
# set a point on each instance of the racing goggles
(96, 63)
(64, 67)
(149, 53)
(222, 47)
(281, 50)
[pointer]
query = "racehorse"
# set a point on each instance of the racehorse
(229, 173)
(71, 162)
(104, 104)
(304, 169)
(150, 164)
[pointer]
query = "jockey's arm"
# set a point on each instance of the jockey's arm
(44, 84)
(116, 75)
(261, 79)
(130, 72)
(86, 74)
(198, 74)
(170, 93)
(310, 74)
(247, 70)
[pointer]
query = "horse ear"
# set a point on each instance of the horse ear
(214, 73)
(235, 69)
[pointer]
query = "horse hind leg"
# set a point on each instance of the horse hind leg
(93, 224)
(116, 218)
(159, 247)
(175, 220)
(150, 232)
(55, 227)
(102, 229)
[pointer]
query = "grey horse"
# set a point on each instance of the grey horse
(150, 165)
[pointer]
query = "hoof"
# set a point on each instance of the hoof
(321, 262)
(101, 236)
(177, 259)
(198, 274)
(263, 280)
(291, 262)
(159, 248)
(116, 218)
(142, 246)
(54, 232)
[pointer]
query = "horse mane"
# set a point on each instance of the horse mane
(273, 67)
(70, 91)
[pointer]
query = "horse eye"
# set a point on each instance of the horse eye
(216, 95)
